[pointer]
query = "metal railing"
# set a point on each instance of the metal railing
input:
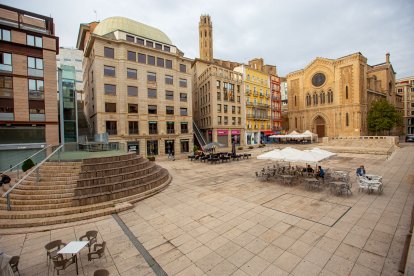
(21, 162)
(198, 135)
(35, 169)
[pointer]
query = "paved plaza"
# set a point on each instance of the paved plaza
(219, 219)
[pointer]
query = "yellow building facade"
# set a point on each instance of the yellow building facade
(257, 95)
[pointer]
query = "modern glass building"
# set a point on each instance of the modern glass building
(68, 121)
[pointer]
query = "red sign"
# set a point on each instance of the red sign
(222, 132)
(235, 132)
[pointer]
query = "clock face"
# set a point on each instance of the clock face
(318, 79)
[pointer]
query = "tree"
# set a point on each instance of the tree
(383, 116)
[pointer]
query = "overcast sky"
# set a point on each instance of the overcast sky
(288, 34)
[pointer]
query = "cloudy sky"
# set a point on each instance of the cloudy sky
(288, 34)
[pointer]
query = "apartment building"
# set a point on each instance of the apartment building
(137, 86)
(405, 88)
(256, 85)
(28, 99)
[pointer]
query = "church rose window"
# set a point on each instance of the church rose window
(318, 79)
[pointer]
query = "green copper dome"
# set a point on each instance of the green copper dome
(112, 24)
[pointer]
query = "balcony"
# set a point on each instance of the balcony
(170, 131)
(257, 117)
(249, 104)
(184, 131)
(248, 93)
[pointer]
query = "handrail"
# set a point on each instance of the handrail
(36, 168)
(10, 169)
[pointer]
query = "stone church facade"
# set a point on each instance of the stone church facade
(331, 97)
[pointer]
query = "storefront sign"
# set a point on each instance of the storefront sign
(235, 132)
(222, 132)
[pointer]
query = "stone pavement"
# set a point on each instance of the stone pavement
(220, 220)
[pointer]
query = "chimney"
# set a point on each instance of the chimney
(387, 57)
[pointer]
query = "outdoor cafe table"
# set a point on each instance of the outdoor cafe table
(73, 248)
(311, 181)
(287, 179)
(339, 184)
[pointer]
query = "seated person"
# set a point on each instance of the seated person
(309, 169)
(361, 171)
(320, 173)
(4, 179)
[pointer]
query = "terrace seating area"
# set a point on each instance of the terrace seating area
(73, 191)
(214, 158)
(337, 182)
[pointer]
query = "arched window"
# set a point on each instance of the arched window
(295, 100)
(315, 98)
(308, 100)
(322, 96)
(201, 34)
(346, 92)
(347, 119)
(296, 122)
(205, 33)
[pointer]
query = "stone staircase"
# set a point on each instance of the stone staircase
(74, 191)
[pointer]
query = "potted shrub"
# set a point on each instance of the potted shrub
(27, 165)
(251, 147)
(240, 148)
(151, 158)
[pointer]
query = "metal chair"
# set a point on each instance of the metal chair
(92, 237)
(61, 264)
(101, 272)
(14, 263)
(52, 248)
(99, 250)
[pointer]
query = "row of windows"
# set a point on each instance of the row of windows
(34, 65)
(110, 71)
(31, 40)
(225, 108)
(152, 147)
(148, 43)
(145, 59)
(110, 89)
(319, 99)
(152, 109)
(225, 120)
(35, 88)
(111, 127)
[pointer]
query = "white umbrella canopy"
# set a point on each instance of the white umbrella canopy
(323, 152)
(268, 155)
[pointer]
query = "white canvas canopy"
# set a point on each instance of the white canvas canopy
(294, 155)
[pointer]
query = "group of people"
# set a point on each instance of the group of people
(320, 173)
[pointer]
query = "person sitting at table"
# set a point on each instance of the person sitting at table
(361, 171)
(309, 169)
(320, 173)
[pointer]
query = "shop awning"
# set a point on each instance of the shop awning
(268, 132)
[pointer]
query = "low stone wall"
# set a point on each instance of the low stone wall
(384, 145)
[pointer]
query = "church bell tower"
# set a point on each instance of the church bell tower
(206, 38)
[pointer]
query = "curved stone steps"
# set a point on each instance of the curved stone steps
(33, 222)
(89, 198)
(98, 181)
(25, 208)
(15, 214)
(27, 189)
(53, 201)
(33, 182)
(37, 202)
(105, 172)
(32, 197)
